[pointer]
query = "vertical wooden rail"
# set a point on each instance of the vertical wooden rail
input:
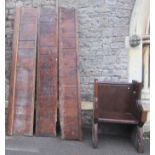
(96, 89)
(46, 107)
(69, 96)
(11, 110)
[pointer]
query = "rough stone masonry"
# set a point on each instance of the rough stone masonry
(103, 26)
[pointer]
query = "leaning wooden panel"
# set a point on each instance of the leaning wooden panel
(22, 86)
(46, 106)
(69, 96)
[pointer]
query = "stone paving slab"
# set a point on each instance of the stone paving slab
(109, 145)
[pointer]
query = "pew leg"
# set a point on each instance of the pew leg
(95, 135)
(137, 138)
(140, 140)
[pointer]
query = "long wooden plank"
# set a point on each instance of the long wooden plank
(21, 100)
(46, 107)
(69, 96)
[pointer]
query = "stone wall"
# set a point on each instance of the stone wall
(103, 26)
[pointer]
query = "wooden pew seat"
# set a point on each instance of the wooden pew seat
(118, 103)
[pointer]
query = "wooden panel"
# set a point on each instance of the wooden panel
(117, 102)
(69, 97)
(46, 107)
(22, 86)
(114, 98)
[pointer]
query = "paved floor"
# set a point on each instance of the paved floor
(55, 146)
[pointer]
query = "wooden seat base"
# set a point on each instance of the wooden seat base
(123, 118)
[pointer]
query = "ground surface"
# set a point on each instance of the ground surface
(108, 145)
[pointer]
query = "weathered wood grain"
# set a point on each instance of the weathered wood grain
(22, 87)
(46, 106)
(69, 97)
